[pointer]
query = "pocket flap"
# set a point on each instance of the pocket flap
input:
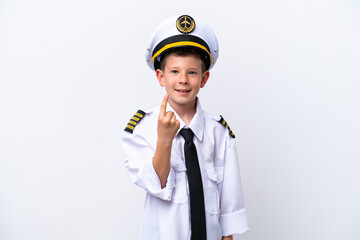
(178, 165)
(215, 174)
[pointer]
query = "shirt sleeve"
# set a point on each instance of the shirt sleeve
(138, 155)
(233, 218)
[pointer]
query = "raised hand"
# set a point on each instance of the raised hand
(168, 125)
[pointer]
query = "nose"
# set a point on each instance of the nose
(183, 79)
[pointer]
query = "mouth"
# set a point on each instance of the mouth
(182, 90)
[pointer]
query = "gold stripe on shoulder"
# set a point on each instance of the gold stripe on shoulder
(135, 119)
(132, 122)
(131, 127)
(139, 115)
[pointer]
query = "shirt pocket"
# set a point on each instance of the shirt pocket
(180, 193)
(213, 177)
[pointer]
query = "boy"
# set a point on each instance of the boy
(184, 158)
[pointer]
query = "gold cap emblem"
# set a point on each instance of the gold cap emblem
(185, 24)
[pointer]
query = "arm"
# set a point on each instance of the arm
(233, 218)
(139, 153)
(148, 166)
(167, 128)
(227, 238)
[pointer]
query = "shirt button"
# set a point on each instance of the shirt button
(176, 165)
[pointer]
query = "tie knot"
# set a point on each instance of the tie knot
(187, 134)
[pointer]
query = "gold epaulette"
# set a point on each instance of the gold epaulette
(223, 122)
(134, 120)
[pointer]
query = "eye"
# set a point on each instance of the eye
(174, 71)
(192, 72)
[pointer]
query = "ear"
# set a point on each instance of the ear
(204, 79)
(160, 77)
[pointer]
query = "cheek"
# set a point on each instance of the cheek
(168, 83)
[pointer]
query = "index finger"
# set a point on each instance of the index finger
(163, 105)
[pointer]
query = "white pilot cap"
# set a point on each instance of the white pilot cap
(181, 32)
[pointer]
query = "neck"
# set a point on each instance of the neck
(185, 112)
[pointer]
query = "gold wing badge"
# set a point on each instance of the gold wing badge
(185, 24)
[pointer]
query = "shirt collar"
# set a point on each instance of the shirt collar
(197, 123)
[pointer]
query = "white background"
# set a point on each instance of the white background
(72, 73)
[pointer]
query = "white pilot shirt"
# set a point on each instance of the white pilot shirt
(167, 211)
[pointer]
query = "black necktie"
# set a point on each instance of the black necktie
(197, 209)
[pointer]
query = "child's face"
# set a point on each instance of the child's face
(182, 78)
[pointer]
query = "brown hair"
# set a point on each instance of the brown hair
(182, 52)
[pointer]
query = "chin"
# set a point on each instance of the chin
(183, 101)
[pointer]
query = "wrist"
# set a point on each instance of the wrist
(227, 238)
(164, 142)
